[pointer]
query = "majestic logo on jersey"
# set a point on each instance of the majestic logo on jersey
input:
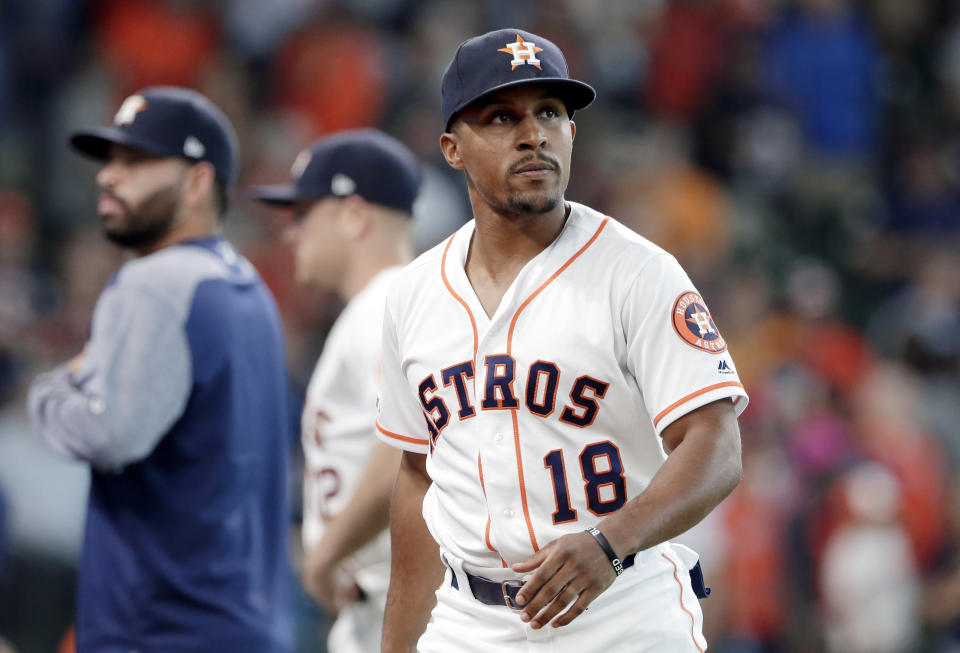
(128, 111)
(524, 52)
(724, 368)
(693, 323)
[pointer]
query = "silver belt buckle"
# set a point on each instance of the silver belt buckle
(506, 594)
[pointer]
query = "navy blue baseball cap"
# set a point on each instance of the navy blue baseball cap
(168, 121)
(364, 162)
(503, 58)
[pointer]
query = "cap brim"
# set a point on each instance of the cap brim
(96, 142)
(575, 94)
(284, 196)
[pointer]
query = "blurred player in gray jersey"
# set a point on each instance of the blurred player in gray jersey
(352, 195)
(179, 402)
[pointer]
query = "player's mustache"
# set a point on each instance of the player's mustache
(554, 164)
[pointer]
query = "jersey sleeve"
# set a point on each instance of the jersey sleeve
(132, 386)
(400, 420)
(674, 348)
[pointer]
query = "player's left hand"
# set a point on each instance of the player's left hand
(570, 571)
(75, 363)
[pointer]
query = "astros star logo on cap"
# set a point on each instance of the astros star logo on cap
(300, 164)
(129, 109)
(524, 52)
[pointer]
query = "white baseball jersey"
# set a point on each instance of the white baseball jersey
(338, 425)
(547, 416)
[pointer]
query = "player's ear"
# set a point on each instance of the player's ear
(573, 130)
(450, 146)
(357, 217)
(198, 187)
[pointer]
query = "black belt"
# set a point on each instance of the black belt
(492, 592)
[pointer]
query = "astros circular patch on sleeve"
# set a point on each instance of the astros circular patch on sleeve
(693, 323)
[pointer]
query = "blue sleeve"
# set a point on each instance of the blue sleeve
(131, 388)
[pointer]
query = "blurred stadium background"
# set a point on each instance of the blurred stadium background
(800, 158)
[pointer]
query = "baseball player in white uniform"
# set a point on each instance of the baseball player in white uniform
(353, 194)
(564, 399)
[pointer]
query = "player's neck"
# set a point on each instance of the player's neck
(504, 244)
(191, 227)
(501, 246)
(371, 262)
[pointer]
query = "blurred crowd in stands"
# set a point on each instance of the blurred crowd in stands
(800, 158)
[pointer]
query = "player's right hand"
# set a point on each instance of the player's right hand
(328, 584)
(570, 571)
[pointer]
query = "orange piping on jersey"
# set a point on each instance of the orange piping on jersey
(523, 487)
(443, 275)
(486, 535)
(513, 412)
(692, 395)
(404, 438)
(693, 622)
(513, 322)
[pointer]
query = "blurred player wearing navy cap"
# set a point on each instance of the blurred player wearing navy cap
(563, 398)
(352, 196)
(179, 402)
